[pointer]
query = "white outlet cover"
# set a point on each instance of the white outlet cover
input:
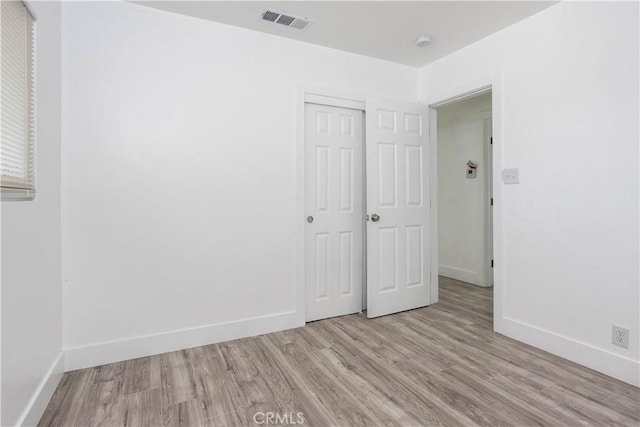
(620, 336)
(511, 176)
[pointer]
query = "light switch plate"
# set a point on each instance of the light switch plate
(511, 176)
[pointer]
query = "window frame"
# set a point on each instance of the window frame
(12, 189)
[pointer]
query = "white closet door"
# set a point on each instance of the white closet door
(334, 195)
(397, 159)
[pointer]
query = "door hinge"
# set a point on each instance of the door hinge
(491, 263)
(491, 140)
(492, 201)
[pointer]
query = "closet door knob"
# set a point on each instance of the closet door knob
(375, 217)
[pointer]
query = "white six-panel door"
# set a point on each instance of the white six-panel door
(397, 177)
(334, 192)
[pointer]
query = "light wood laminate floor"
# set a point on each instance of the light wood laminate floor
(439, 365)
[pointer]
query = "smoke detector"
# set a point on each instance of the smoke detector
(286, 19)
(423, 41)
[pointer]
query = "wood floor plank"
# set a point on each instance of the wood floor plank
(473, 405)
(137, 375)
(102, 404)
(110, 372)
(323, 333)
(439, 365)
(592, 413)
(187, 413)
(517, 412)
(376, 403)
(68, 398)
(302, 399)
(370, 338)
(142, 409)
(219, 394)
(420, 402)
(253, 380)
(382, 373)
(625, 405)
(177, 379)
(332, 397)
(286, 391)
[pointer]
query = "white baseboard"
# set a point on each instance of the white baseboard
(461, 274)
(131, 348)
(40, 399)
(612, 364)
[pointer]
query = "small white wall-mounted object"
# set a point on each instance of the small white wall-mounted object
(511, 176)
(620, 336)
(423, 41)
(471, 170)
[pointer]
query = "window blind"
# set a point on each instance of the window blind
(17, 127)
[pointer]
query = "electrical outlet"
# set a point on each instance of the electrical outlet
(620, 336)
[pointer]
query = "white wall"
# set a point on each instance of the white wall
(570, 123)
(31, 277)
(463, 231)
(179, 176)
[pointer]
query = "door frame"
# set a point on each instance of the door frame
(493, 84)
(327, 96)
(488, 159)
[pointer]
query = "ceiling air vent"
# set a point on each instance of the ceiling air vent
(287, 20)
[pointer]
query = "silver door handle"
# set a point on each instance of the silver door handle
(375, 217)
(309, 219)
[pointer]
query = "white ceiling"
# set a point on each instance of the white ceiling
(380, 29)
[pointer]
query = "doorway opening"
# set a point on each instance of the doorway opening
(465, 204)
